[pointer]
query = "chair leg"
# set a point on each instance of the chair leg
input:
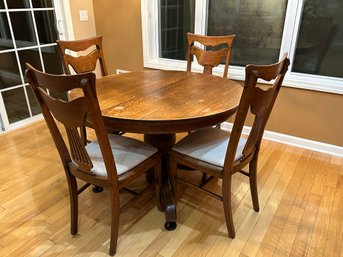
(74, 208)
(157, 181)
(253, 182)
(97, 189)
(227, 206)
(115, 204)
(204, 178)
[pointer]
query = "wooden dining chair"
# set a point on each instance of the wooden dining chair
(220, 154)
(83, 62)
(209, 58)
(110, 161)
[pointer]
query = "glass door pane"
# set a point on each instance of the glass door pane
(14, 4)
(5, 33)
(30, 56)
(45, 22)
(23, 29)
(52, 60)
(9, 71)
(42, 3)
(16, 105)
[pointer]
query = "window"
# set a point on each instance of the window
(319, 47)
(309, 30)
(258, 26)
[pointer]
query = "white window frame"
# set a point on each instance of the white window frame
(150, 36)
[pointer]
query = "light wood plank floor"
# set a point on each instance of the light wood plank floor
(301, 200)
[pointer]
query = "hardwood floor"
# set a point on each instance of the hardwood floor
(301, 208)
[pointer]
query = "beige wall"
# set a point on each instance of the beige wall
(120, 24)
(308, 114)
(301, 113)
(82, 29)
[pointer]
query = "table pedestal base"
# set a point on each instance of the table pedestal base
(164, 142)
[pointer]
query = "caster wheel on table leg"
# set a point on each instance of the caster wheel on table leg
(97, 189)
(170, 225)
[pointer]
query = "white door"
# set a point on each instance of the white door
(28, 31)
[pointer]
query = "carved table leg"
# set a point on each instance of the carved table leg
(164, 142)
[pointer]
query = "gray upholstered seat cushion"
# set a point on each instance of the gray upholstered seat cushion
(128, 153)
(208, 145)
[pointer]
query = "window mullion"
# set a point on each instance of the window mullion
(155, 37)
(150, 33)
(200, 26)
(200, 22)
(291, 28)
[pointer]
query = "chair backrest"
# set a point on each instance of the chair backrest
(259, 100)
(212, 58)
(72, 114)
(83, 63)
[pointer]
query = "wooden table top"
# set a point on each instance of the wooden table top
(159, 102)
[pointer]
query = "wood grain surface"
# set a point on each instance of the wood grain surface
(166, 101)
(300, 196)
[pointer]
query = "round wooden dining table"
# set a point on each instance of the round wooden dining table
(159, 104)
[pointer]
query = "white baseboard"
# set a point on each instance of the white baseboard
(294, 141)
(119, 71)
